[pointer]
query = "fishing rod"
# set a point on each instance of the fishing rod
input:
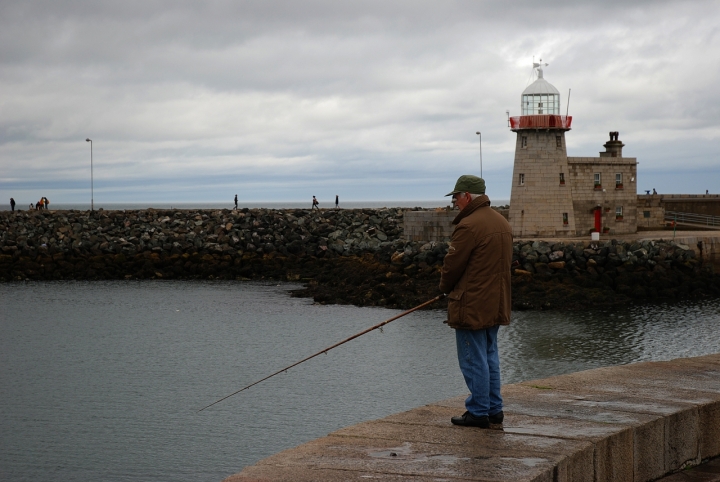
(325, 350)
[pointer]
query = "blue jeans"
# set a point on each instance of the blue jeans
(480, 365)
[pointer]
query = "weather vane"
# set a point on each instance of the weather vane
(539, 67)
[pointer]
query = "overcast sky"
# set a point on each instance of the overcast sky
(373, 100)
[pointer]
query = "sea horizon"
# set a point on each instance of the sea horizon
(120, 206)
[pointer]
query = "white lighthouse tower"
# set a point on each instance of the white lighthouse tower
(541, 201)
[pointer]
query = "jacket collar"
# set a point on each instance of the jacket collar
(476, 203)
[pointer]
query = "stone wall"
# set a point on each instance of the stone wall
(650, 212)
(428, 225)
(346, 256)
(634, 422)
(586, 197)
(538, 198)
(556, 196)
(690, 203)
(652, 207)
(185, 244)
(434, 225)
(550, 273)
(707, 248)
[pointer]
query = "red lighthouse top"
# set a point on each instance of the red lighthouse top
(541, 122)
(540, 106)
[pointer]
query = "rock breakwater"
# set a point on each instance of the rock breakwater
(353, 256)
(173, 243)
(555, 275)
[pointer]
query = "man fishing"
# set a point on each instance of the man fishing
(476, 276)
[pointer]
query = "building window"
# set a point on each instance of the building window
(618, 213)
(558, 141)
(646, 214)
(618, 181)
(562, 178)
(523, 141)
(598, 181)
(565, 219)
(521, 179)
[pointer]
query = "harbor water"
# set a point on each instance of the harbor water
(104, 380)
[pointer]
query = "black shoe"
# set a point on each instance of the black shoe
(497, 419)
(469, 420)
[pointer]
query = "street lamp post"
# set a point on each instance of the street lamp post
(480, 138)
(92, 201)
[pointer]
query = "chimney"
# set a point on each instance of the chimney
(613, 147)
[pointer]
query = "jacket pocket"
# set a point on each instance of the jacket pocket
(456, 307)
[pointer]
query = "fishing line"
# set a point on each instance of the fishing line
(325, 350)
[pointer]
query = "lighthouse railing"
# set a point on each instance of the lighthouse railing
(541, 122)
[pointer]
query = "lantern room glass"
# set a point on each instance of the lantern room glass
(541, 104)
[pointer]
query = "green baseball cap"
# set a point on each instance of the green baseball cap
(469, 183)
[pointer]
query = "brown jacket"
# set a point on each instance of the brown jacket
(476, 269)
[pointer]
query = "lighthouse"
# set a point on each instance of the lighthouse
(541, 201)
(557, 196)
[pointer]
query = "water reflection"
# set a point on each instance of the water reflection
(540, 344)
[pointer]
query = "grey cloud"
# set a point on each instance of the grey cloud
(338, 90)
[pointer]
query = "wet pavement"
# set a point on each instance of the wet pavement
(636, 422)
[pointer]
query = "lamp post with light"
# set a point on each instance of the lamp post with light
(92, 203)
(480, 139)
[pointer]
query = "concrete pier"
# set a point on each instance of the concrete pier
(636, 422)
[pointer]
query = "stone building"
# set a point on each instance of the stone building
(554, 195)
(604, 191)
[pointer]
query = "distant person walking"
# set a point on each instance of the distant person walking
(315, 204)
(337, 201)
(46, 202)
(236, 201)
(706, 192)
(654, 191)
(12, 204)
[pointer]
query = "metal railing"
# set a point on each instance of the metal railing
(541, 121)
(692, 218)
